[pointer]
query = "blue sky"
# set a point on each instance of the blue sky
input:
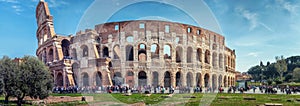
(258, 30)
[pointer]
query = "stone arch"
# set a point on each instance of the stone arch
(129, 53)
(98, 78)
(105, 52)
(167, 79)
(155, 51)
(142, 53)
(130, 78)
(179, 54)
(215, 56)
(74, 54)
(220, 80)
(50, 55)
(214, 81)
(117, 79)
(228, 81)
(199, 55)
(142, 78)
(225, 81)
(116, 52)
(207, 57)
(221, 60)
(206, 80)
(85, 50)
(155, 79)
(65, 47)
(85, 79)
(75, 70)
(59, 79)
(198, 79)
(214, 46)
(189, 54)
(178, 79)
(189, 79)
(167, 51)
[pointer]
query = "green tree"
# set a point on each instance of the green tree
(296, 74)
(29, 77)
(34, 79)
(256, 72)
(280, 66)
(8, 83)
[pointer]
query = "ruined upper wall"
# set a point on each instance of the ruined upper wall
(156, 27)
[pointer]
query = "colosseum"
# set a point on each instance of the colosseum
(135, 53)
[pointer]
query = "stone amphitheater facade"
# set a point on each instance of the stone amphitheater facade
(135, 53)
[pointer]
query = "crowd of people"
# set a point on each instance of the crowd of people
(179, 89)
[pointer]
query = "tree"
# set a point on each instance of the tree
(29, 77)
(34, 79)
(296, 74)
(256, 72)
(8, 83)
(281, 66)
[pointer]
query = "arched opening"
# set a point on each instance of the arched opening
(228, 81)
(129, 53)
(74, 54)
(105, 52)
(178, 54)
(206, 80)
(65, 47)
(178, 79)
(142, 52)
(198, 79)
(98, 78)
(142, 77)
(117, 80)
(50, 55)
(75, 70)
(214, 46)
(59, 80)
(117, 52)
(189, 55)
(155, 79)
(189, 79)
(199, 55)
(167, 52)
(221, 60)
(167, 79)
(85, 50)
(225, 81)
(155, 51)
(85, 79)
(207, 57)
(130, 78)
(215, 56)
(220, 81)
(214, 81)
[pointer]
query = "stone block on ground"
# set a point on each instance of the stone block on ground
(273, 104)
(249, 98)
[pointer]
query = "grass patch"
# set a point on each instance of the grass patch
(186, 99)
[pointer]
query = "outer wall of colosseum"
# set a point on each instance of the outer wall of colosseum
(136, 53)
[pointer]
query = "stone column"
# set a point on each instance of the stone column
(64, 71)
(136, 80)
(149, 77)
(193, 83)
(183, 79)
(173, 78)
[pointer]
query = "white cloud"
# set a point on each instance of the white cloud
(267, 27)
(251, 17)
(288, 6)
(56, 3)
(254, 54)
(17, 9)
(9, 1)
